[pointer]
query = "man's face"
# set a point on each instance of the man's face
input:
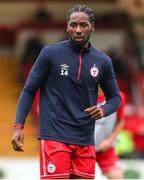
(79, 27)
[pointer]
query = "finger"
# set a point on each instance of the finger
(16, 148)
(20, 145)
(95, 117)
(14, 145)
(17, 145)
(90, 109)
(19, 148)
(98, 114)
(94, 112)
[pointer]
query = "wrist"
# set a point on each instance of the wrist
(19, 126)
(103, 111)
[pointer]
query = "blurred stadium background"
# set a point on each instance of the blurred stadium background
(27, 25)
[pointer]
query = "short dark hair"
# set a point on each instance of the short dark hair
(84, 9)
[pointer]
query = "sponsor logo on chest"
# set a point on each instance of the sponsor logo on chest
(64, 70)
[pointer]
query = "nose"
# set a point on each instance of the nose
(78, 29)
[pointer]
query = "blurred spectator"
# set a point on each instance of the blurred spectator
(106, 155)
(135, 124)
(121, 71)
(32, 48)
(138, 90)
(125, 144)
(41, 14)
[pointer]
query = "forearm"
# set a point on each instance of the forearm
(111, 105)
(118, 127)
(24, 106)
(111, 91)
(112, 94)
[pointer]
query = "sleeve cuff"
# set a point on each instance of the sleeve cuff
(19, 125)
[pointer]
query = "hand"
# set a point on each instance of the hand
(95, 112)
(18, 139)
(105, 145)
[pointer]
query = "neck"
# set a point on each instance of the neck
(86, 45)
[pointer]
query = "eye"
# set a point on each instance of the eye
(72, 25)
(84, 25)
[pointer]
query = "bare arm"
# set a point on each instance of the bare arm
(106, 144)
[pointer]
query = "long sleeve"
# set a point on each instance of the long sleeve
(35, 79)
(110, 88)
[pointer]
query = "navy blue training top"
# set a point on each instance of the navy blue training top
(68, 78)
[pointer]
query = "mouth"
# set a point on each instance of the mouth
(79, 38)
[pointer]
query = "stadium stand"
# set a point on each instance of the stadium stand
(10, 88)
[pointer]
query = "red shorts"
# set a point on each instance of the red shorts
(58, 160)
(108, 160)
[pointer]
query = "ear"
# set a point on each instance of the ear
(93, 27)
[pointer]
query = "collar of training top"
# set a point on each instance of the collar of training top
(78, 47)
